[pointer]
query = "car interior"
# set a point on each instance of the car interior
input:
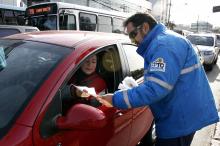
(108, 67)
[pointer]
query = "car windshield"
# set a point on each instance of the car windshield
(43, 22)
(201, 40)
(27, 65)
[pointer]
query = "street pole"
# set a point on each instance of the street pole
(169, 13)
(198, 24)
(207, 25)
(87, 3)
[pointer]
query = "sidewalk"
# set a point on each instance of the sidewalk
(216, 138)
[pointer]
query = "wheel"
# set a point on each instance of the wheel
(216, 60)
(149, 138)
(208, 67)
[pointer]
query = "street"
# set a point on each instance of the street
(210, 136)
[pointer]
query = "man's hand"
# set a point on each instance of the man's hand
(105, 99)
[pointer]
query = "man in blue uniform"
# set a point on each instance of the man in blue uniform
(175, 85)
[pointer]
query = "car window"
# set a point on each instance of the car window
(117, 25)
(104, 24)
(30, 30)
(67, 22)
(135, 61)
(108, 67)
(44, 22)
(28, 64)
(218, 40)
(201, 40)
(8, 31)
(87, 21)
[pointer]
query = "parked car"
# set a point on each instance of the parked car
(199, 54)
(6, 30)
(208, 47)
(39, 66)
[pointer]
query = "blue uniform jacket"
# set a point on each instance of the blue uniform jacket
(175, 85)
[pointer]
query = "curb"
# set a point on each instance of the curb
(216, 138)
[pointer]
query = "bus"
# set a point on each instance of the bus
(66, 16)
(11, 15)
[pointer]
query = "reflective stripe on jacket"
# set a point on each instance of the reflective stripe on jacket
(175, 85)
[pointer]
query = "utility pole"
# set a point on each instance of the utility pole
(87, 3)
(169, 9)
(198, 24)
(123, 7)
(207, 24)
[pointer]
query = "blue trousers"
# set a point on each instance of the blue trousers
(179, 141)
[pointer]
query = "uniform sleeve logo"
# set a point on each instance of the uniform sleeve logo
(158, 65)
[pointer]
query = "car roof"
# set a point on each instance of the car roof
(72, 38)
(202, 34)
(19, 27)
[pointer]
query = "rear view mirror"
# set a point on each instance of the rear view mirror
(2, 59)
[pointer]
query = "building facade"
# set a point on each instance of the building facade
(161, 10)
(17, 3)
(201, 26)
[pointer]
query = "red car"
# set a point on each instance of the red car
(38, 67)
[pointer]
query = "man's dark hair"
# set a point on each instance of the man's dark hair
(139, 18)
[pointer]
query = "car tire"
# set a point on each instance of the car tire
(216, 60)
(208, 67)
(149, 138)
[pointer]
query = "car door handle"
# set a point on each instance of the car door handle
(118, 113)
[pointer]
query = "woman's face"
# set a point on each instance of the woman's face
(89, 66)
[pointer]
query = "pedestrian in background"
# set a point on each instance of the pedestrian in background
(175, 85)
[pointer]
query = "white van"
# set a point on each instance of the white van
(208, 47)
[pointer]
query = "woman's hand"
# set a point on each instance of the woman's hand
(83, 93)
(105, 99)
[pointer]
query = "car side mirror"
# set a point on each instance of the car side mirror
(83, 117)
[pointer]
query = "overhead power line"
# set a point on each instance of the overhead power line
(104, 5)
(110, 5)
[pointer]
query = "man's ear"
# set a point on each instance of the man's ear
(145, 28)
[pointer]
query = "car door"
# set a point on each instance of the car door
(142, 117)
(112, 61)
(117, 129)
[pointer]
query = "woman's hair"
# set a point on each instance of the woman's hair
(140, 18)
